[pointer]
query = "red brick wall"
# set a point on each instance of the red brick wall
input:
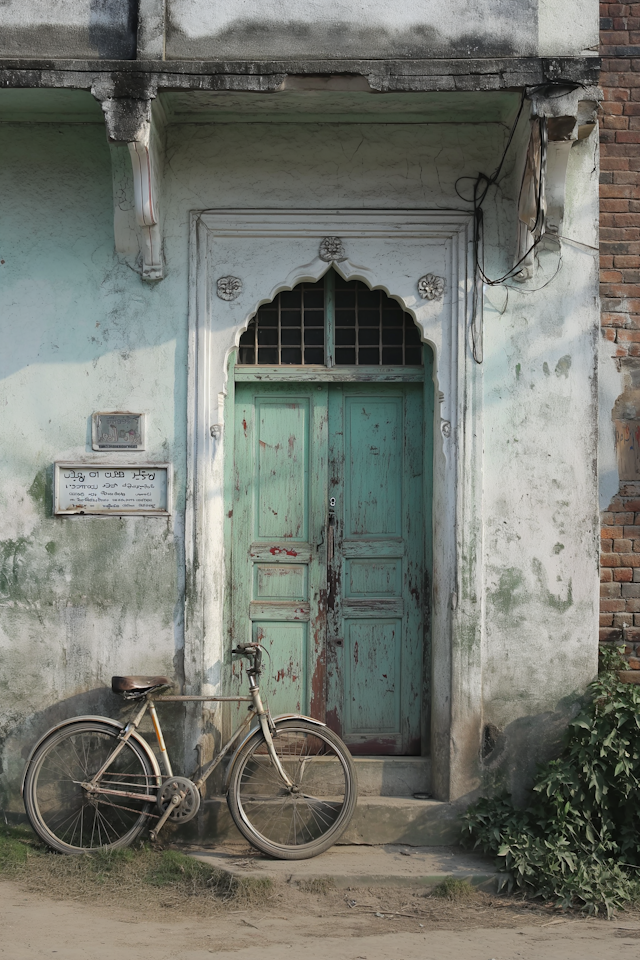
(620, 572)
(620, 298)
(620, 177)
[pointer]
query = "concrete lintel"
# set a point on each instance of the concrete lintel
(134, 78)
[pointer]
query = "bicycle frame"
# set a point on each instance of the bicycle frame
(255, 710)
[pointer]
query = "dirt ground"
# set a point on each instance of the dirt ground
(356, 924)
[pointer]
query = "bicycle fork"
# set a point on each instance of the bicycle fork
(268, 729)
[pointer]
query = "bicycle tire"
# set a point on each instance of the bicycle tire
(60, 810)
(298, 824)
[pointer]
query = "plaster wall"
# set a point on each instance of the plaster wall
(541, 483)
(60, 28)
(84, 598)
(333, 28)
(264, 29)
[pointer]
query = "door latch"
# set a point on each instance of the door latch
(332, 525)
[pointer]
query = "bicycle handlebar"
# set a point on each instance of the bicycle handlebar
(245, 649)
(254, 652)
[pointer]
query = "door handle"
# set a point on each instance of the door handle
(332, 526)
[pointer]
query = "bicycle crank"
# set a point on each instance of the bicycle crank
(187, 804)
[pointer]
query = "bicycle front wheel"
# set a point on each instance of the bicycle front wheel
(64, 814)
(301, 821)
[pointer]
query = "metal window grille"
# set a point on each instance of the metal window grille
(290, 329)
(370, 329)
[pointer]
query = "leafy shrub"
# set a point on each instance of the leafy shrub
(578, 841)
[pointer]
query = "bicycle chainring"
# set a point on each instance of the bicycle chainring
(190, 803)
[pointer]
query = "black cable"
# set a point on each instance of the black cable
(479, 197)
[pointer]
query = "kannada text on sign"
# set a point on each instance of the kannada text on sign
(88, 488)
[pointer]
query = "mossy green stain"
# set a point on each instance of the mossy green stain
(505, 596)
(563, 366)
(99, 564)
(549, 598)
(12, 559)
(518, 370)
(41, 490)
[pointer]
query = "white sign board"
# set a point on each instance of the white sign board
(141, 489)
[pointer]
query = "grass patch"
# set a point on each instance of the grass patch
(320, 886)
(138, 876)
(452, 889)
(14, 848)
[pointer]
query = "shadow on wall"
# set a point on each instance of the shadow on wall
(113, 28)
(19, 740)
(275, 38)
(510, 757)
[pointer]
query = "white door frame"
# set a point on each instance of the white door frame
(268, 251)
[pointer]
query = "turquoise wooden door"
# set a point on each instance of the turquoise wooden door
(328, 565)
(279, 563)
(376, 566)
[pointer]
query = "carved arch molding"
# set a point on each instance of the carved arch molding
(242, 259)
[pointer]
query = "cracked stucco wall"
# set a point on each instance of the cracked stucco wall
(259, 29)
(81, 599)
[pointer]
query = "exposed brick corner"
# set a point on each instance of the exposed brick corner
(620, 299)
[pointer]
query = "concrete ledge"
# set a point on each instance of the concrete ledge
(376, 821)
(348, 866)
(393, 776)
(139, 78)
(382, 820)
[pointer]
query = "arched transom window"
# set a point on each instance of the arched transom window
(332, 322)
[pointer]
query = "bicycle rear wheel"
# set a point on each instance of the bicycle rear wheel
(304, 820)
(65, 815)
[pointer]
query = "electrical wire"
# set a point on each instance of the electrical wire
(482, 183)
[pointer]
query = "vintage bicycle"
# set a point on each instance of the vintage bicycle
(95, 783)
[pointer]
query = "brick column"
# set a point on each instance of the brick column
(620, 298)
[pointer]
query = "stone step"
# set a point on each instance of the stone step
(352, 866)
(376, 820)
(377, 776)
(419, 823)
(393, 776)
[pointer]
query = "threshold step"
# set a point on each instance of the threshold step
(376, 821)
(393, 776)
(419, 823)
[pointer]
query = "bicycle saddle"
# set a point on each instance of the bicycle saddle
(138, 686)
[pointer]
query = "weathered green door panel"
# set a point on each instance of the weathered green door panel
(375, 625)
(372, 662)
(380, 577)
(281, 456)
(284, 682)
(278, 557)
(373, 466)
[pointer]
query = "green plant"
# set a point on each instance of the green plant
(578, 841)
(452, 889)
(14, 848)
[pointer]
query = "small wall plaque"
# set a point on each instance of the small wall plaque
(117, 431)
(118, 489)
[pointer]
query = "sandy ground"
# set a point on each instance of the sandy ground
(313, 928)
